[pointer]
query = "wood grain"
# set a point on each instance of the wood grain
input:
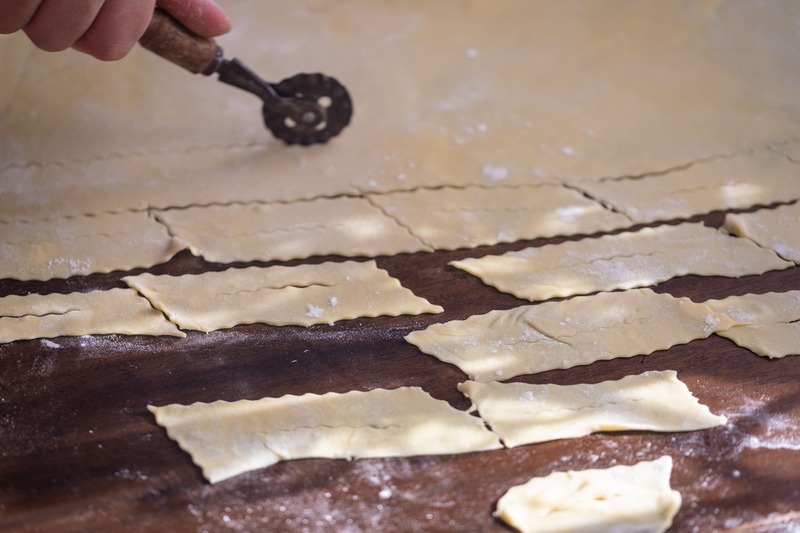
(79, 451)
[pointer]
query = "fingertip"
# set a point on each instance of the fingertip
(204, 17)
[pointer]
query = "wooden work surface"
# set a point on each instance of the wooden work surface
(79, 450)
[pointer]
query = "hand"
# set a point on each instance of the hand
(105, 29)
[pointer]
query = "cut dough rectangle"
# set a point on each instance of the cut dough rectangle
(77, 246)
(449, 218)
(623, 261)
(760, 177)
(525, 414)
(265, 232)
(768, 324)
(229, 438)
(119, 311)
(300, 295)
(771, 228)
(621, 498)
(535, 338)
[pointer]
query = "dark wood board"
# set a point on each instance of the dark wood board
(80, 452)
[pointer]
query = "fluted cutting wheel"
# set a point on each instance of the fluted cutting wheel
(328, 93)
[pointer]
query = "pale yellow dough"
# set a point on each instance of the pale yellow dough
(525, 414)
(344, 226)
(761, 177)
(627, 260)
(119, 311)
(228, 438)
(789, 148)
(535, 338)
(778, 229)
(549, 91)
(447, 218)
(620, 499)
(767, 324)
(64, 247)
(300, 295)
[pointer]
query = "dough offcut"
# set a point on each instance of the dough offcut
(635, 498)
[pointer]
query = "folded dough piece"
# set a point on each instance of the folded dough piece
(535, 338)
(98, 312)
(621, 498)
(623, 261)
(265, 232)
(525, 414)
(451, 218)
(768, 324)
(759, 177)
(771, 228)
(77, 246)
(300, 295)
(229, 438)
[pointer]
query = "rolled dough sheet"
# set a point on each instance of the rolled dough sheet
(228, 438)
(448, 218)
(624, 261)
(119, 311)
(299, 295)
(258, 232)
(63, 247)
(525, 414)
(621, 498)
(790, 148)
(771, 228)
(767, 324)
(760, 177)
(573, 90)
(535, 338)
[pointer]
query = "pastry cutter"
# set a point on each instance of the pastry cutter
(303, 109)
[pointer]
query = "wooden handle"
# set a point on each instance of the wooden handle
(169, 39)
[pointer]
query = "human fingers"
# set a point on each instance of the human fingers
(115, 30)
(15, 14)
(203, 17)
(57, 24)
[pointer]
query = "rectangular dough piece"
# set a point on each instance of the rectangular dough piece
(77, 246)
(759, 177)
(228, 438)
(636, 498)
(778, 229)
(266, 232)
(299, 295)
(623, 261)
(535, 338)
(526, 414)
(119, 311)
(451, 218)
(767, 324)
